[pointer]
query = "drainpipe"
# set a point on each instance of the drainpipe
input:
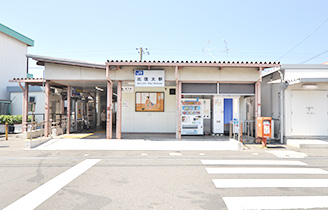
(282, 110)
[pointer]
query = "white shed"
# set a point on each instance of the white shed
(302, 108)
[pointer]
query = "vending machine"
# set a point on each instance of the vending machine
(225, 111)
(217, 118)
(191, 117)
(206, 113)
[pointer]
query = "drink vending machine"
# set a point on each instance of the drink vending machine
(191, 117)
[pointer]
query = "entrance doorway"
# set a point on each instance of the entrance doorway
(309, 113)
(227, 113)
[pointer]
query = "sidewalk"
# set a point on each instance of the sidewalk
(97, 141)
(14, 142)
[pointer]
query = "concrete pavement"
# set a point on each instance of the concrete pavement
(97, 141)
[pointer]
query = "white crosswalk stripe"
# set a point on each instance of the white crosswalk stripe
(266, 171)
(248, 168)
(276, 202)
(251, 162)
(253, 183)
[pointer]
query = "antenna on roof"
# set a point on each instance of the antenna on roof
(226, 49)
(142, 51)
(207, 50)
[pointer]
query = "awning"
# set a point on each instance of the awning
(306, 80)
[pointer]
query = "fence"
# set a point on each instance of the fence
(239, 128)
(36, 129)
(245, 130)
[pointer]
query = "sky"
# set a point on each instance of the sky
(285, 31)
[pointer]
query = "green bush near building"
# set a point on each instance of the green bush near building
(13, 119)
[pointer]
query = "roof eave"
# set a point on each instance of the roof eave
(47, 59)
(14, 34)
(193, 64)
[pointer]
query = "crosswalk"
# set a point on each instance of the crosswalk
(250, 173)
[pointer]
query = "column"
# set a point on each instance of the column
(25, 108)
(178, 115)
(119, 110)
(109, 124)
(46, 111)
(69, 93)
(179, 110)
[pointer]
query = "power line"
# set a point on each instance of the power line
(315, 56)
(303, 40)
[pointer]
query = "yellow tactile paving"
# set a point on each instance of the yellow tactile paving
(77, 136)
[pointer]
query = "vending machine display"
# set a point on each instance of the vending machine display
(191, 117)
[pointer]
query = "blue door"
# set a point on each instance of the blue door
(227, 110)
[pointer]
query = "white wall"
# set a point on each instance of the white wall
(17, 103)
(149, 122)
(291, 74)
(12, 62)
(288, 104)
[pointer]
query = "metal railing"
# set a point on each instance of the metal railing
(34, 127)
(239, 128)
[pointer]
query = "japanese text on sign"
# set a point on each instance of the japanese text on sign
(149, 78)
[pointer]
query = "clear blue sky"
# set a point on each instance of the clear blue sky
(97, 30)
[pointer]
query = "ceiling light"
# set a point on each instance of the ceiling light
(100, 89)
(310, 86)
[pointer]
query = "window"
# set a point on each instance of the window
(32, 99)
(31, 103)
(31, 107)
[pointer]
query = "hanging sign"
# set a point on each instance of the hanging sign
(149, 78)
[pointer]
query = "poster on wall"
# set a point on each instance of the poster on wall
(149, 102)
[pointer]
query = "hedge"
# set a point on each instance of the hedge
(13, 119)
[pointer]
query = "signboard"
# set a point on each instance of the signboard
(149, 78)
(127, 89)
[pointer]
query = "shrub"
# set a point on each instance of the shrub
(13, 119)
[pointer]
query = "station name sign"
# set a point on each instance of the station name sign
(149, 78)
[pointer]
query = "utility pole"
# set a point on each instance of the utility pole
(141, 52)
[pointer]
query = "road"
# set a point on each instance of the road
(164, 179)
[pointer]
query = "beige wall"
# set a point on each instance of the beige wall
(201, 74)
(65, 72)
(149, 122)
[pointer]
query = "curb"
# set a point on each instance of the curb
(37, 142)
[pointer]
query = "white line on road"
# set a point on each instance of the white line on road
(276, 202)
(288, 154)
(253, 183)
(45, 191)
(266, 171)
(251, 162)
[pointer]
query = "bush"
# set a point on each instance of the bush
(13, 119)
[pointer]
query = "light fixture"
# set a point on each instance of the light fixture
(100, 89)
(130, 83)
(310, 86)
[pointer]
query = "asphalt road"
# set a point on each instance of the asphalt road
(152, 179)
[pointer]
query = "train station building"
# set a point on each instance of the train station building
(176, 97)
